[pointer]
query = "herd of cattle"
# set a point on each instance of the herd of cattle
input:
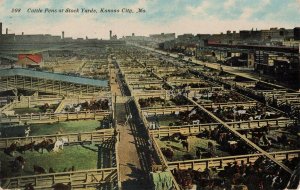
(260, 175)
(227, 142)
(152, 101)
(18, 163)
(93, 105)
(220, 97)
(240, 113)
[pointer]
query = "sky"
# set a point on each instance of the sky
(160, 16)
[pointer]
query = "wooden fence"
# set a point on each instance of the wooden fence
(221, 162)
(95, 136)
(171, 109)
(164, 131)
(54, 117)
(78, 179)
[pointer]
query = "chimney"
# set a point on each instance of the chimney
(0, 28)
(110, 34)
(62, 35)
(6, 30)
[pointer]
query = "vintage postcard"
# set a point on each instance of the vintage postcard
(149, 94)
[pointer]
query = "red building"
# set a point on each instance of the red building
(30, 60)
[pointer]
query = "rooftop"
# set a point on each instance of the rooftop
(53, 76)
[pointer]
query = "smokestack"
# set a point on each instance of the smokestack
(6, 30)
(62, 35)
(110, 34)
(22, 33)
(0, 28)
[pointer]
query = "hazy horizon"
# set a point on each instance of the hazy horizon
(191, 16)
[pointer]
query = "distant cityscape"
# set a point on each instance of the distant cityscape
(272, 37)
(274, 51)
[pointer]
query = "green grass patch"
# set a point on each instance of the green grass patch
(21, 111)
(35, 110)
(164, 120)
(64, 127)
(50, 128)
(82, 158)
(194, 142)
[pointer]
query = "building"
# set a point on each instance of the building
(273, 34)
(162, 37)
(185, 37)
(250, 35)
(297, 33)
(30, 60)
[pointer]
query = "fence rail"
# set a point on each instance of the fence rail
(163, 131)
(95, 136)
(54, 117)
(78, 179)
(171, 109)
(220, 162)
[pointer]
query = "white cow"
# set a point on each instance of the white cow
(59, 144)
(27, 132)
(239, 112)
(196, 122)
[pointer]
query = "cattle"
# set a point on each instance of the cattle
(168, 153)
(179, 137)
(38, 169)
(211, 148)
(12, 148)
(59, 144)
(45, 144)
(28, 186)
(260, 175)
(51, 170)
(61, 186)
(18, 163)
(26, 147)
(185, 145)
